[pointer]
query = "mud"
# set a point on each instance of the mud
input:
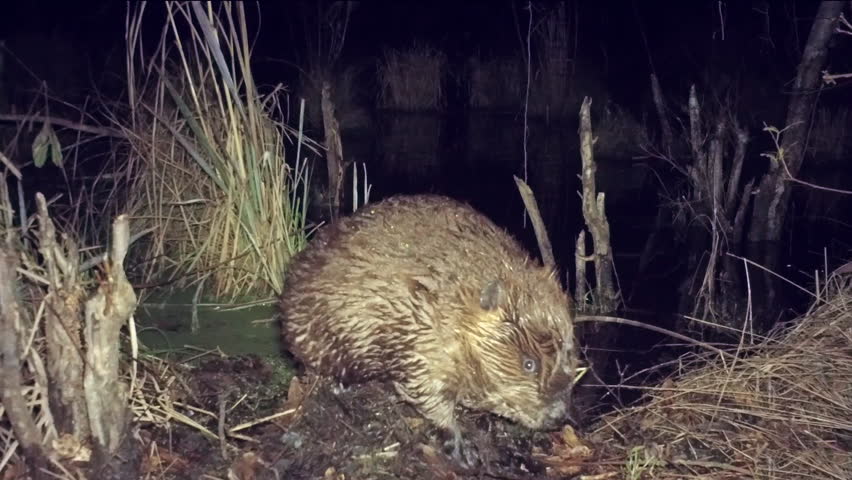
(323, 431)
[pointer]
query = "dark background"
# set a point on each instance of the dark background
(742, 54)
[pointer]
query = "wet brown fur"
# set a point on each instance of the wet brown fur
(426, 292)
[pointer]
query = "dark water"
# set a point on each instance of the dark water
(474, 156)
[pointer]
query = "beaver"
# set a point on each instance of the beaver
(428, 293)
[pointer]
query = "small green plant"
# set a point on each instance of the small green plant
(639, 461)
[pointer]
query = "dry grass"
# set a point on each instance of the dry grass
(160, 398)
(780, 409)
(33, 288)
(412, 79)
(212, 178)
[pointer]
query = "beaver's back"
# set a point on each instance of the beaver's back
(370, 288)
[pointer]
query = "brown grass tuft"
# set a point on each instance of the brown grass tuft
(213, 180)
(781, 409)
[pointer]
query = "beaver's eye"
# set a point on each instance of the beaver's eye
(530, 365)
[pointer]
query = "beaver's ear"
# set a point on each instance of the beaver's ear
(492, 295)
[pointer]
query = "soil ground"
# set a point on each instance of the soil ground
(309, 427)
(364, 431)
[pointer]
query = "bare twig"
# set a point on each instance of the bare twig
(61, 122)
(220, 427)
(595, 216)
(541, 236)
(653, 328)
(11, 166)
(660, 104)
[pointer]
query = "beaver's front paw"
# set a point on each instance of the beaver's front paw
(463, 452)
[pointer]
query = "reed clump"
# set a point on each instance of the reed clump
(218, 177)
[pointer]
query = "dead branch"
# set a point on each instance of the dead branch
(653, 328)
(595, 217)
(736, 169)
(541, 236)
(106, 312)
(334, 151)
(11, 380)
(715, 169)
(580, 259)
(61, 122)
(695, 136)
(739, 218)
(63, 330)
(11, 166)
